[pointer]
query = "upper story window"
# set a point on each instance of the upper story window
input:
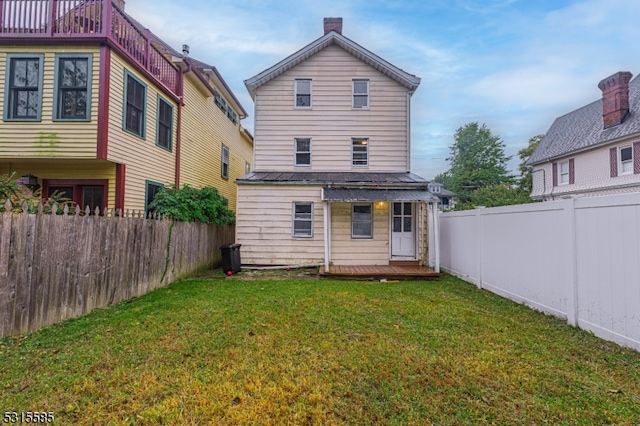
(165, 124)
(73, 82)
(361, 94)
(247, 168)
(23, 87)
(303, 151)
(434, 189)
(135, 104)
(563, 172)
(360, 152)
(626, 160)
(303, 93)
(225, 108)
(224, 169)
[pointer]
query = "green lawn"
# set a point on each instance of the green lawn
(306, 351)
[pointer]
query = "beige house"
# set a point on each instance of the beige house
(594, 150)
(331, 183)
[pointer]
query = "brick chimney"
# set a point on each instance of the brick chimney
(119, 4)
(615, 98)
(333, 24)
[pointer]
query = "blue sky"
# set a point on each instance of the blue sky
(514, 65)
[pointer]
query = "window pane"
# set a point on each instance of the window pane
(407, 209)
(564, 167)
(407, 224)
(303, 159)
(397, 209)
(362, 212)
(362, 229)
(360, 87)
(627, 167)
(397, 224)
(303, 145)
(360, 101)
(32, 73)
(302, 228)
(302, 209)
(625, 154)
(304, 87)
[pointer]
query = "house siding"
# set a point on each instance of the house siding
(331, 122)
(144, 159)
(204, 129)
(592, 175)
(48, 138)
(264, 223)
(359, 251)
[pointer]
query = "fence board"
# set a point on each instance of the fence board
(55, 267)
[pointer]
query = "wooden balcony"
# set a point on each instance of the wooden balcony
(51, 21)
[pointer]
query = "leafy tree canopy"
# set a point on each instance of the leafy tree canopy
(193, 205)
(526, 180)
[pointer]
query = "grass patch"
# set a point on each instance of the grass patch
(299, 351)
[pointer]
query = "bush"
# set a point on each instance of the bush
(193, 205)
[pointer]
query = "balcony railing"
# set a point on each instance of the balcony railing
(59, 19)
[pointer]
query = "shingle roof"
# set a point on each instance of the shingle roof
(583, 129)
(395, 180)
(410, 81)
(351, 194)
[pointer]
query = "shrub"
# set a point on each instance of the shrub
(190, 204)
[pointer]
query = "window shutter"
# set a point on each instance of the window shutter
(636, 158)
(572, 174)
(613, 161)
(555, 174)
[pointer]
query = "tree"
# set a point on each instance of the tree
(193, 205)
(498, 195)
(477, 160)
(525, 182)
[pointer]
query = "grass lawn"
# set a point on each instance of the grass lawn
(306, 351)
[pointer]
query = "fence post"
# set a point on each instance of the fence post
(479, 210)
(572, 286)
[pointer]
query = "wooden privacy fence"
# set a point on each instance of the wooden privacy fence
(59, 266)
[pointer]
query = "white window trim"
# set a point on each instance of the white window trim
(293, 219)
(224, 150)
(563, 173)
(352, 152)
(295, 93)
(353, 93)
(296, 152)
(621, 171)
(361, 237)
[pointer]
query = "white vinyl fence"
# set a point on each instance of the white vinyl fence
(577, 259)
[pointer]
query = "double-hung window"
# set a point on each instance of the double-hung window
(303, 93)
(302, 220)
(23, 87)
(361, 94)
(360, 152)
(224, 169)
(135, 103)
(361, 221)
(563, 172)
(151, 190)
(73, 83)
(626, 160)
(165, 124)
(303, 151)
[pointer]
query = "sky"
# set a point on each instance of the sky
(513, 65)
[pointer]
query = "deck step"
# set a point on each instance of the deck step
(404, 263)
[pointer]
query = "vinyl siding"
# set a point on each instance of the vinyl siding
(204, 129)
(264, 221)
(60, 139)
(331, 122)
(65, 169)
(349, 251)
(592, 176)
(143, 158)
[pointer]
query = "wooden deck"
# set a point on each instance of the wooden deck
(388, 272)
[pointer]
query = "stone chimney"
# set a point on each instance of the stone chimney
(119, 4)
(615, 98)
(333, 24)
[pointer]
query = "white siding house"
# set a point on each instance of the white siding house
(594, 150)
(331, 183)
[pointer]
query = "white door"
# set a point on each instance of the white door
(402, 230)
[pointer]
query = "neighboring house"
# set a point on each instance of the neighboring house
(95, 106)
(445, 196)
(594, 150)
(331, 182)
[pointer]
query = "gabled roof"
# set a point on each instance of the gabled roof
(409, 81)
(583, 129)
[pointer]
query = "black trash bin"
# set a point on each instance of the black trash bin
(230, 258)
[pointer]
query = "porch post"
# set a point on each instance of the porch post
(327, 234)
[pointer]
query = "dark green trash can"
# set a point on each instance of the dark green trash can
(231, 258)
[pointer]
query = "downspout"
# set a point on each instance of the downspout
(179, 127)
(436, 235)
(409, 131)
(327, 234)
